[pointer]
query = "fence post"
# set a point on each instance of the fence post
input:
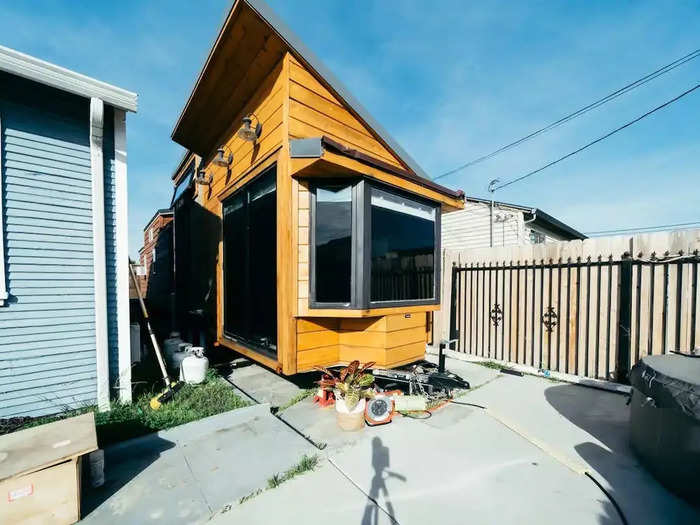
(624, 332)
(453, 303)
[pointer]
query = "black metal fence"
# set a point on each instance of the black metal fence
(592, 317)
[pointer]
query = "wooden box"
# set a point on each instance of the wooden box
(40, 471)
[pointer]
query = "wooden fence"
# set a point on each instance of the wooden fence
(590, 308)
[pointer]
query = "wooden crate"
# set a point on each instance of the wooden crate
(40, 471)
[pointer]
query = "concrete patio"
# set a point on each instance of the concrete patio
(522, 459)
(526, 457)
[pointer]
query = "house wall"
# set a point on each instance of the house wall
(314, 112)
(292, 103)
(470, 228)
(47, 329)
(47, 326)
(205, 211)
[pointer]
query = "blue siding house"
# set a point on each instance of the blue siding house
(64, 307)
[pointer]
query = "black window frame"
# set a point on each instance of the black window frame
(360, 275)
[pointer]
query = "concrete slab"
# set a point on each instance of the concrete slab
(591, 427)
(262, 385)
(184, 474)
(322, 496)
(466, 467)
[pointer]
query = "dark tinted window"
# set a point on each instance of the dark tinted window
(250, 264)
(403, 246)
(333, 232)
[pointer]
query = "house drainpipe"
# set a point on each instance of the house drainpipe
(492, 189)
(534, 216)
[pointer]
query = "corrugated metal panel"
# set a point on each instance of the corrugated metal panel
(47, 330)
(111, 246)
(470, 227)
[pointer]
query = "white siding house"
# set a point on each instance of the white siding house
(513, 225)
(64, 312)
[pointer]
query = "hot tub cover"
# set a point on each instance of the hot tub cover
(672, 381)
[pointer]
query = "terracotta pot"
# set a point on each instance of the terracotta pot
(350, 420)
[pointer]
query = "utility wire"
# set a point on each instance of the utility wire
(599, 139)
(629, 87)
(643, 228)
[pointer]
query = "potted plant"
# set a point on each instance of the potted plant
(351, 386)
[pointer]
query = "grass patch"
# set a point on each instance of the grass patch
(298, 398)
(126, 421)
(488, 364)
(306, 464)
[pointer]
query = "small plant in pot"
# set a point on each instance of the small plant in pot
(352, 386)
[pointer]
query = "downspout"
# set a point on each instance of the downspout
(533, 211)
(492, 190)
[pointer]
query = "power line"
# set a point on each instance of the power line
(643, 228)
(629, 87)
(533, 172)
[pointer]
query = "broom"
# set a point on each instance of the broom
(171, 387)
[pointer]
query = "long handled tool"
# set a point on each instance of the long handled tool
(171, 387)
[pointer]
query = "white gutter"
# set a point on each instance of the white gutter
(32, 68)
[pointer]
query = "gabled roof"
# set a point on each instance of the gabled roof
(26, 66)
(291, 42)
(164, 212)
(540, 218)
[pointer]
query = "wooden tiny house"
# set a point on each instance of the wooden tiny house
(321, 237)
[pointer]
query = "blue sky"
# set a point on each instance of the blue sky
(450, 80)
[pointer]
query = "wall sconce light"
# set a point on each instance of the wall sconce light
(247, 131)
(222, 161)
(203, 178)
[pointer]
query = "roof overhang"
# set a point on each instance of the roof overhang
(213, 102)
(323, 157)
(32, 68)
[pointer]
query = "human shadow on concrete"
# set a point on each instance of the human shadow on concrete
(122, 463)
(380, 462)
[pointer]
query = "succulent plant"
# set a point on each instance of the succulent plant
(351, 383)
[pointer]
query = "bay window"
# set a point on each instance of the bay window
(372, 246)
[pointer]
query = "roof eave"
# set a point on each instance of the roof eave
(58, 77)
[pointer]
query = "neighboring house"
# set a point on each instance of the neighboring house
(64, 308)
(156, 263)
(512, 225)
(313, 237)
(156, 248)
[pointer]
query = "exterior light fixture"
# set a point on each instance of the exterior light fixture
(221, 160)
(203, 178)
(249, 133)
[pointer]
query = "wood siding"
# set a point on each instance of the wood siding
(47, 329)
(314, 111)
(389, 340)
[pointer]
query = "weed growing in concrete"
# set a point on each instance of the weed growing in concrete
(297, 398)
(306, 464)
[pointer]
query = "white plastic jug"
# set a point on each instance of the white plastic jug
(194, 367)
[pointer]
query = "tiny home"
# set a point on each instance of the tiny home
(317, 235)
(64, 307)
